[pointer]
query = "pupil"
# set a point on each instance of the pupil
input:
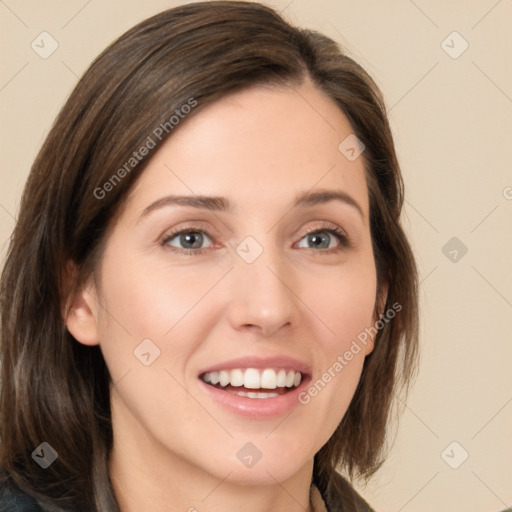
(316, 240)
(185, 239)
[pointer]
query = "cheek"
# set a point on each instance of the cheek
(345, 304)
(150, 301)
(142, 302)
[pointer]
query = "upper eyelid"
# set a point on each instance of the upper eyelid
(327, 226)
(192, 229)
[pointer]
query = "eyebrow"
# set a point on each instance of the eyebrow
(222, 204)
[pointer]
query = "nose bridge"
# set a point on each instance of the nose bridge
(263, 295)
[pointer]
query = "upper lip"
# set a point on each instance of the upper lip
(280, 362)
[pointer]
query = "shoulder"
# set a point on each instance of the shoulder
(340, 496)
(13, 499)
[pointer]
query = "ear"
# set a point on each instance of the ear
(380, 302)
(81, 308)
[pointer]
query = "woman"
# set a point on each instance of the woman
(208, 301)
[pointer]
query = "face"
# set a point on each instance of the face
(265, 287)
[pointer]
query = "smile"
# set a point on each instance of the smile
(241, 381)
(256, 387)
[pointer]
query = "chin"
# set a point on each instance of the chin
(260, 474)
(271, 462)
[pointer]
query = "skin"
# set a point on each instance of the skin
(175, 448)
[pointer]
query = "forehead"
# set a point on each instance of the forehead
(259, 147)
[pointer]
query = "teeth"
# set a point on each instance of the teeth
(251, 378)
(223, 378)
(252, 394)
(269, 379)
(236, 378)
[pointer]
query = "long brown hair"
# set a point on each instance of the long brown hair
(55, 389)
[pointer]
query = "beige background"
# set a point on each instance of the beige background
(452, 119)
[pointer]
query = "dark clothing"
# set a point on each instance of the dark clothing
(17, 501)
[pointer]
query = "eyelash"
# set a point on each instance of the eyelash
(331, 229)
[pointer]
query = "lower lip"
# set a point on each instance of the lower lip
(257, 408)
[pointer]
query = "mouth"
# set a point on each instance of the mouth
(254, 387)
(256, 383)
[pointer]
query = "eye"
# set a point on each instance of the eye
(329, 238)
(191, 241)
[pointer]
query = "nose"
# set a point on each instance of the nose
(262, 295)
